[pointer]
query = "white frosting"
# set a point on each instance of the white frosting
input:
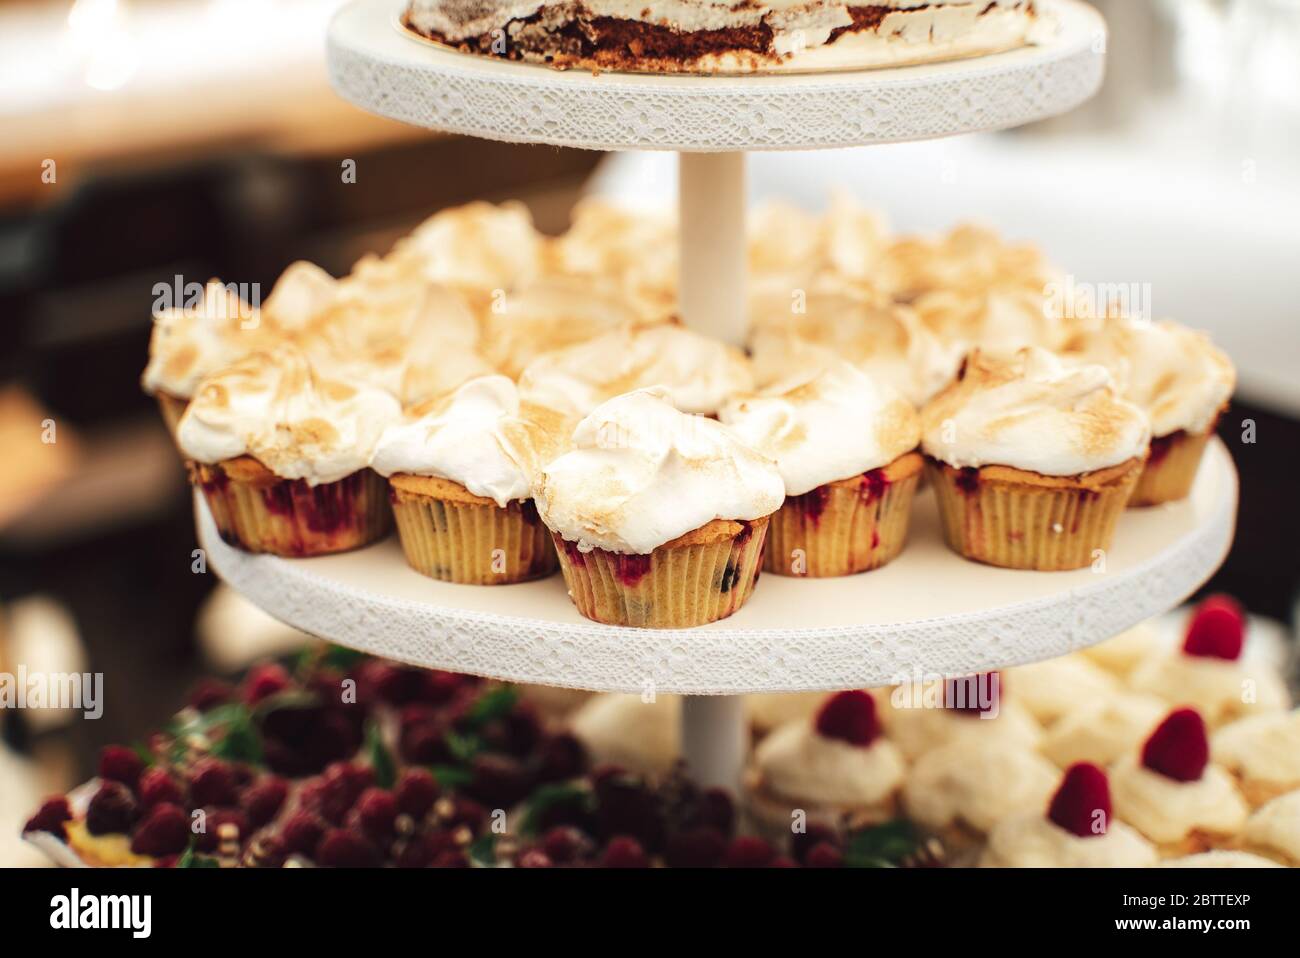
(795, 762)
(277, 408)
(1122, 653)
(1103, 730)
(1275, 828)
(999, 320)
(1031, 840)
(918, 730)
(624, 730)
(977, 783)
(1054, 687)
(1219, 689)
(479, 436)
(768, 711)
(632, 252)
(1166, 810)
(1262, 748)
(1033, 412)
(699, 373)
(302, 294)
(1220, 858)
(642, 473)
(1175, 374)
(482, 246)
(837, 424)
(968, 260)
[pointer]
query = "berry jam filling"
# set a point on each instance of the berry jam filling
(1081, 804)
(326, 508)
(872, 485)
(968, 480)
(811, 504)
(1160, 446)
(1179, 748)
(630, 569)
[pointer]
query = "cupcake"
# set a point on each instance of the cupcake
(1263, 753)
(1055, 687)
(1076, 832)
(925, 717)
(1178, 378)
(282, 455)
(1209, 671)
(1274, 830)
(772, 710)
(659, 517)
(968, 259)
(193, 341)
(1103, 730)
(699, 373)
(838, 770)
(1173, 795)
(845, 448)
(627, 731)
(963, 789)
(1121, 654)
(1032, 461)
(460, 471)
(1220, 858)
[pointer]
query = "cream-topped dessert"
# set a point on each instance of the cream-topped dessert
(970, 260)
(486, 248)
(628, 731)
(1220, 858)
(699, 372)
(1173, 795)
(1104, 729)
(1077, 830)
(925, 717)
(772, 710)
(1122, 653)
(1056, 687)
(1263, 752)
(1274, 830)
(715, 36)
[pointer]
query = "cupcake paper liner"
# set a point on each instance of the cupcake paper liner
(1017, 524)
(1171, 468)
(472, 543)
(259, 512)
(675, 586)
(843, 527)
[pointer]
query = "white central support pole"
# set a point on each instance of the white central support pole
(715, 739)
(711, 213)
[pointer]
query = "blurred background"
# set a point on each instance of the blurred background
(145, 139)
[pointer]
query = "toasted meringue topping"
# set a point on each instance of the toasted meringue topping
(836, 424)
(276, 407)
(700, 373)
(480, 436)
(1175, 374)
(481, 246)
(635, 251)
(969, 259)
(643, 473)
(999, 320)
(300, 296)
(1033, 412)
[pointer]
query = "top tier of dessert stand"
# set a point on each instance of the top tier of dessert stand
(929, 612)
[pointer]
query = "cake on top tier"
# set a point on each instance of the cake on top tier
(724, 36)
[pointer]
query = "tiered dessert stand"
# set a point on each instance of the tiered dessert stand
(930, 612)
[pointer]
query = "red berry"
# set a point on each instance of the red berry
(782, 861)
(850, 717)
(212, 782)
(824, 855)
(345, 849)
(499, 780)
(1217, 629)
(624, 851)
(264, 681)
(801, 843)
(210, 839)
(112, 810)
(354, 779)
(466, 812)
(451, 859)
(416, 792)
(375, 814)
(208, 693)
(562, 757)
(973, 694)
(302, 833)
(437, 687)
(701, 847)
(534, 858)
(50, 817)
(423, 849)
(117, 763)
(158, 787)
(164, 830)
(747, 852)
(565, 845)
(1178, 748)
(1084, 791)
(262, 801)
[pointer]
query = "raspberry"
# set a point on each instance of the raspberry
(158, 787)
(824, 855)
(963, 695)
(264, 681)
(422, 850)
(450, 859)
(1217, 629)
(701, 847)
(416, 792)
(302, 833)
(499, 781)
(210, 839)
(424, 744)
(747, 852)
(565, 845)
(850, 717)
(164, 830)
(534, 858)
(562, 757)
(212, 782)
(466, 812)
(782, 861)
(625, 806)
(117, 763)
(329, 800)
(517, 734)
(623, 851)
(209, 693)
(375, 814)
(112, 810)
(345, 849)
(1083, 792)
(801, 843)
(262, 802)
(437, 687)
(50, 817)
(1178, 748)
(387, 682)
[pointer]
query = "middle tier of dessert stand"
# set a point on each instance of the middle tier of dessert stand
(928, 613)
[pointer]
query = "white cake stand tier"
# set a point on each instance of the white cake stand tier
(928, 613)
